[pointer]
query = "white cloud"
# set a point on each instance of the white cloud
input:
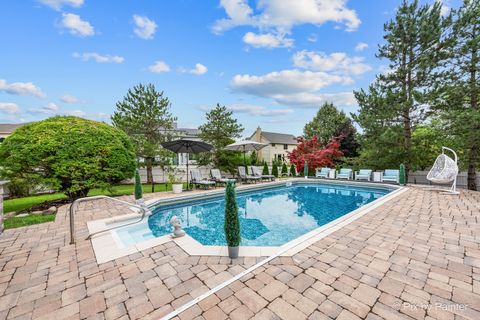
(58, 4)
(86, 56)
(253, 110)
(21, 89)
(361, 46)
(281, 16)
(294, 87)
(76, 25)
(445, 10)
(144, 27)
(8, 107)
(267, 40)
(67, 98)
(337, 62)
(199, 69)
(312, 38)
(75, 113)
(50, 108)
(159, 67)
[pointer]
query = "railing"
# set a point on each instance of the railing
(74, 206)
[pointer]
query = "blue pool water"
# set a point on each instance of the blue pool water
(269, 217)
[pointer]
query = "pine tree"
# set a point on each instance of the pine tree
(293, 171)
(144, 114)
(275, 170)
(265, 169)
(138, 186)
(284, 169)
(397, 101)
(232, 222)
(460, 86)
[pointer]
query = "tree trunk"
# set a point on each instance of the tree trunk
(149, 166)
(473, 152)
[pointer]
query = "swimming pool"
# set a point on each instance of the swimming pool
(268, 217)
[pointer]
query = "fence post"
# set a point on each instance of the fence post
(1, 206)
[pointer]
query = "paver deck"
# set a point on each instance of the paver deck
(416, 256)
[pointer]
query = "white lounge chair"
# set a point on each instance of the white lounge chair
(363, 174)
(197, 179)
(245, 177)
(217, 177)
(257, 173)
(391, 175)
(322, 173)
(345, 173)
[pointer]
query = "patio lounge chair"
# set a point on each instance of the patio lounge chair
(392, 175)
(197, 179)
(245, 177)
(217, 177)
(257, 173)
(363, 174)
(322, 173)
(345, 174)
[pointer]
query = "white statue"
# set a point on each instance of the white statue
(177, 227)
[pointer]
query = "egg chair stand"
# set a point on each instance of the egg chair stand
(444, 171)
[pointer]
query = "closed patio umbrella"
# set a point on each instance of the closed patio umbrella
(187, 146)
(245, 145)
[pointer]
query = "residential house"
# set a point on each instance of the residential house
(278, 145)
(7, 129)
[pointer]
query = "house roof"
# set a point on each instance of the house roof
(280, 138)
(9, 127)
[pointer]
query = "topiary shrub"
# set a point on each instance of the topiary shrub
(401, 178)
(265, 171)
(293, 171)
(138, 186)
(68, 154)
(284, 169)
(232, 222)
(275, 171)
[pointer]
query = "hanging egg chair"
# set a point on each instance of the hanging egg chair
(445, 170)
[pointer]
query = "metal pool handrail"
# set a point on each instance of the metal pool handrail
(74, 206)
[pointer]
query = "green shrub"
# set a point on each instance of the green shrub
(232, 222)
(401, 179)
(68, 154)
(265, 171)
(138, 186)
(293, 171)
(275, 171)
(284, 169)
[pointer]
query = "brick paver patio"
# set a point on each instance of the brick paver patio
(417, 256)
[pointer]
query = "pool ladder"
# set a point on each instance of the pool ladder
(74, 206)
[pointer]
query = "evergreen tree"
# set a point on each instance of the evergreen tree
(232, 222)
(138, 186)
(460, 86)
(293, 171)
(275, 170)
(284, 169)
(220, 130)
(265, 169)
(328, 123)
(144, 114)
(397, 101)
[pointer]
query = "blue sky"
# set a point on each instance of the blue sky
(272, 62)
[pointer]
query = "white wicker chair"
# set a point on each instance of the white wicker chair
(445, 170)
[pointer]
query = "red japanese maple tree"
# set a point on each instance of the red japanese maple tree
(314, 153)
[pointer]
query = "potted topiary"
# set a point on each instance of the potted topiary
(284, 170)
(232, 222)
(138, 189)
(174, 180)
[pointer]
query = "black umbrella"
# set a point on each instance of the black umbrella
(187, 146)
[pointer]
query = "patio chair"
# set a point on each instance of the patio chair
(245, 177)
(392, 175)
(197, 179)
(322, 173)
(363, 174)
(217, 177)
(345, 173)
(258, 173)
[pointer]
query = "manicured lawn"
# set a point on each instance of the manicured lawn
(27, 221)
(20, 204)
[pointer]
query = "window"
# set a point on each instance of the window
(285, 147)
(273, 144)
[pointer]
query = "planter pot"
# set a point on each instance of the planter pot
(177, 187)
(233, 252)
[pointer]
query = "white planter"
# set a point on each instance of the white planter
(177, 187)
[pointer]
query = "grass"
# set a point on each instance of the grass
(16, 222)
(19, 204)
